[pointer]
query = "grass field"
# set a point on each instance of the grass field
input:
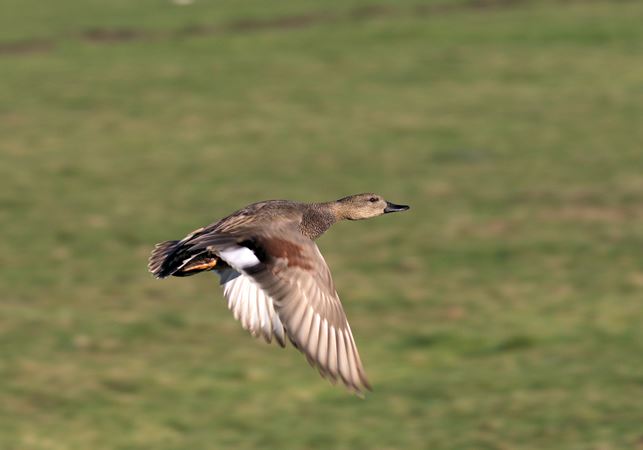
(504, 311)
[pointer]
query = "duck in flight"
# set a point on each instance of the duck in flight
(275, 279)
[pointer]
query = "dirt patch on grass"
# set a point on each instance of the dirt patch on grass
(280, 23)
(288, 22)
(366, 12)
(445, 8)
(109, 35)
(27, 46)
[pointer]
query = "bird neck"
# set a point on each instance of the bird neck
(318, 218)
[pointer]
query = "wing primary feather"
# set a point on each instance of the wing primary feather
(253, 315)
(358, 360)
(344, 369)
(322, 349)
(244, 311)
(278, 329)
(257, 301)
(243, 305)
(352, 361)
(294, 323)
(231, 299)
(313, 338)
(234, 294)
(277, 326)
(332, 352)
(304, 329)
(264, 317)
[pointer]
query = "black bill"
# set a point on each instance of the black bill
(392, 207)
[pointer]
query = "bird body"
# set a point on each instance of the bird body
(274, 277)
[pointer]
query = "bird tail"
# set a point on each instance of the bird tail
(176, 259)
(158, 262)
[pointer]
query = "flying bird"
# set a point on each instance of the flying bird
(275, 279)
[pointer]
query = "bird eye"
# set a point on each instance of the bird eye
(372, 199)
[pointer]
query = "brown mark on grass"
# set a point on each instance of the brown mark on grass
(109, 35)
(287, 22)
(26, 47)
(444, 8)
(280, 23)
(369, 11)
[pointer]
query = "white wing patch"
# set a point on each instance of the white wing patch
(239, 257)
(251, 306)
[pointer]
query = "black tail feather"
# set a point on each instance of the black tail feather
(160, 257)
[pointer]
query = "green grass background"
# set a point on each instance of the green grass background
(504, 311)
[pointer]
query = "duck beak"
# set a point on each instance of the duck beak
(392, 207)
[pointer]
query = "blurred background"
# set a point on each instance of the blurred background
(504, 311)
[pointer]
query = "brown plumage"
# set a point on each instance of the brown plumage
(275, 279)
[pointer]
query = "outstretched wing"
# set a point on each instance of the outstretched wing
(251, 306)
(291, 271)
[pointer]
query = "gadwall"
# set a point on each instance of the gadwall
(274, 278)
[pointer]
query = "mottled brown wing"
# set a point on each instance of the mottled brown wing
(298, 280)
